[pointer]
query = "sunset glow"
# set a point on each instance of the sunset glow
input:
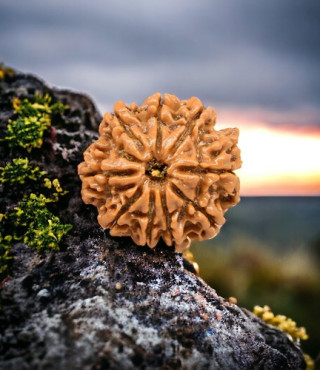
(278, 161)
(281, 159)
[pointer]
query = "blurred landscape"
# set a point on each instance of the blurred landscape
(268, 253)
(257, 64)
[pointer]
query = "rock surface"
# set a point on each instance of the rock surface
(102, 302)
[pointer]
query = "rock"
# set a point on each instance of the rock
(102, 302)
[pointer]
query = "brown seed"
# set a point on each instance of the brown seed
(152, 175)
(233, 300)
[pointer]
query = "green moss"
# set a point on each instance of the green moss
(30, 221)
(5, 244)
(41, 104)
(33, 223)
(43, 230)
(55, 188)
(34, 118)
(27, 132)
(19, 171)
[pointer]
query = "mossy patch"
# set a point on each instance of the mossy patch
(20, 171)
(33, 119)
(5, 245)
(31, 220)
(32, 223)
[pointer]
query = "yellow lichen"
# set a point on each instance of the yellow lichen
(19, 171)
(30, 221)
(309, 362)
(5, 71)
(188, 255)
(33, 120)
(47, 183)
(282, 322)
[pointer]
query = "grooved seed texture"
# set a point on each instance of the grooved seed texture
(162, 170)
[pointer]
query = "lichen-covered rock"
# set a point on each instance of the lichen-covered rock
(102, 303)
(106, 304)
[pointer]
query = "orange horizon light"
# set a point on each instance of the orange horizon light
(277, 160)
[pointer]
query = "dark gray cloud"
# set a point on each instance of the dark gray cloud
(244, 53)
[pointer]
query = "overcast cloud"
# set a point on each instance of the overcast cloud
(253, 54)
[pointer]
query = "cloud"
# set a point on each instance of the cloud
(248, 53)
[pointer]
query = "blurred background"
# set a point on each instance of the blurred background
(257, 63)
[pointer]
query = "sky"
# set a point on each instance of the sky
(256, 62)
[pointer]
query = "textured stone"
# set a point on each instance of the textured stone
(102, 302)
